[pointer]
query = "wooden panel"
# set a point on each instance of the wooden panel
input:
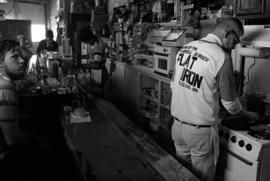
(252, 9)
(249, 7)
(118, 85)
(132, 94)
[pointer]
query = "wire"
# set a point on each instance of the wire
(12, 7)
(249, 74)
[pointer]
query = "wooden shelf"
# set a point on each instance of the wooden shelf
(166, 106)
(150, 98)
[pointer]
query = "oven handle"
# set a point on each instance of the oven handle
(161, 54)
(239, 158)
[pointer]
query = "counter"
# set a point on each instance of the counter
(111, 143)
(127, 152)
(148, 97)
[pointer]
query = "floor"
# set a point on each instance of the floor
(112, 157)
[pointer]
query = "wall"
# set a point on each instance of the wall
(25, 11)
(52, 17)
(257, 75)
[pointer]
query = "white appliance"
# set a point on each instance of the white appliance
(244, 156)
(245, 153)
(178, 37)
(256, 35)
(164, 58)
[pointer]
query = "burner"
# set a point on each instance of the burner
(261, 131)
(244, 124)
(240, 124)
(260, 135)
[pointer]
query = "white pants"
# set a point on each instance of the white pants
(194, 146)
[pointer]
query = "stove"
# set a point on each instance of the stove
(244, 150)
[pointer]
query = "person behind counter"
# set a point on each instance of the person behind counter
(204, 75)
(30, 79)
(47, 44)
(25, 47)
(96, 54)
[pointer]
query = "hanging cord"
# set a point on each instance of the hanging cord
(12, 7)
(249, 76)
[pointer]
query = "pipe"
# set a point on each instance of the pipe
(250, 52)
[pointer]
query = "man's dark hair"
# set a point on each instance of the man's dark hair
(229, 22)
(7, 45)
(87, 36)
(49, 33)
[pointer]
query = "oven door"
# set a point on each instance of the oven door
(232, 167)
(161, 64)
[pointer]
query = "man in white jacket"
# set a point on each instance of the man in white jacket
(203, 76)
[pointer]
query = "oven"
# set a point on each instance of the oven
(164, 58)
(244, 155)
(235, 167)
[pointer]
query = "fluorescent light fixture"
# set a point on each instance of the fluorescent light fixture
(3, 1)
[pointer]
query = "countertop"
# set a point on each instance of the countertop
(121, 150)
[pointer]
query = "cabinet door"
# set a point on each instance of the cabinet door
(132, 80)
(245, 7)
(118, 85)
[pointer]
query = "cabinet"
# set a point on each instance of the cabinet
(118, 85)
(249, 7)
(145, 97)
(155, 103)
(132, 94)
(252, 9)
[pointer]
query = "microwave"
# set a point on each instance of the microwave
(164, 59)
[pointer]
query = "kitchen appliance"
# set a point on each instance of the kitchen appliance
(164, 58)
(244, 150)
(245, 144)
(165, 53)
(178, 37)
(256, 35)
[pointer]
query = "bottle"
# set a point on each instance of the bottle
(60, 76)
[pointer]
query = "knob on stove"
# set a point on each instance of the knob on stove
(241, 143)
(248, 147)
(233, 139)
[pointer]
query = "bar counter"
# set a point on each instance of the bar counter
(112, 146)
(127, 153)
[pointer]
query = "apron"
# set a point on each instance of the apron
(215, 140)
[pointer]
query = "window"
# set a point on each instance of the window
(38, 32)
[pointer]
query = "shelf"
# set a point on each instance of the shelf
(166, 106)
(149, 115)
(150, 98)
(158, 93)
(166, 120)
